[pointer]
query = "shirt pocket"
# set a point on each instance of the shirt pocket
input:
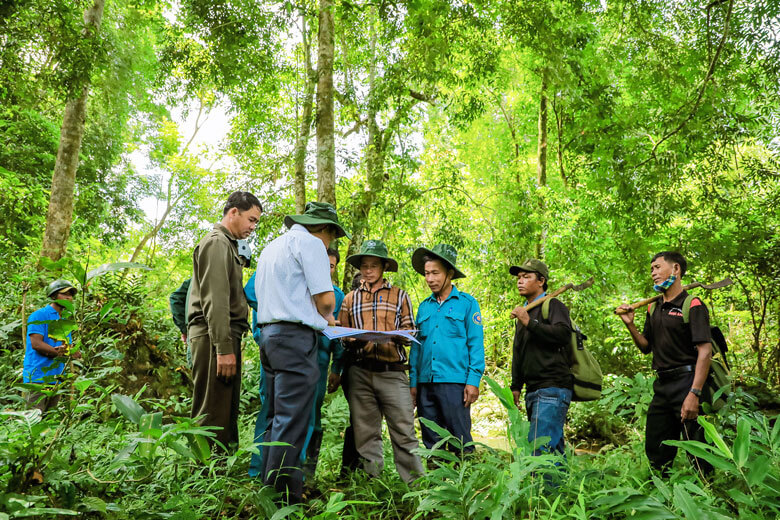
(454, 325)
(423, 325)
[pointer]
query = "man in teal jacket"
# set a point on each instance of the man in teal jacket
(447, 366)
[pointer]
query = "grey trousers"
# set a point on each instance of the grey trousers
(215, 398)
(374, 395)
(42, 401)
(289, 357)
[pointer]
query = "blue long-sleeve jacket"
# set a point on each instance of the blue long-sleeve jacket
(451, 339)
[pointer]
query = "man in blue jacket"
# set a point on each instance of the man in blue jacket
(447, 366)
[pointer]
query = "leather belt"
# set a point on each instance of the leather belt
(379, 366)
(675, 372)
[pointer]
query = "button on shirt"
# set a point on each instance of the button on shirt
(290, 270)
(37, 366)
(452, 341)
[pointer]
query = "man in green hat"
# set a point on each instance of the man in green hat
(447, 365)
(295, 300)
(40, 356)
(377, 381)
(217, 317)
(540, 357)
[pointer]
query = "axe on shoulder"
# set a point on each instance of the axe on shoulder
(694, 285)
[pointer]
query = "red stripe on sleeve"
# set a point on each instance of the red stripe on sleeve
(695, 302)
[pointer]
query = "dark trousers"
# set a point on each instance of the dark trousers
(442, 403)
(350, 458)
(664, 423)
(289, 357)
(216, 399)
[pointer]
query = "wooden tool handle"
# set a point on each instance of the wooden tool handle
(648, 301)
(540, 301)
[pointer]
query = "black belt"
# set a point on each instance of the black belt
(285, 324)
(675, 372)
(379, 366)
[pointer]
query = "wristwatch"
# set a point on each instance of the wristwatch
(696, 392)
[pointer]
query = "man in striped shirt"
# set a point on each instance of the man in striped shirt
(379, 386)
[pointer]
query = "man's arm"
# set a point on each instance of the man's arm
(639, 340)
(475, 345)
(517, 379)
(690, 407)
(325, 303)
(178, 302)
(43, 348)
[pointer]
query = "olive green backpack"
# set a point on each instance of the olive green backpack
(720, 371)
(584, 367)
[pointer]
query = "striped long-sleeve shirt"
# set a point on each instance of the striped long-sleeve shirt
(388, 308)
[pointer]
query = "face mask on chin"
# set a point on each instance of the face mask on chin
(663, 286)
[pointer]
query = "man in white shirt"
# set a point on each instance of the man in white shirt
(295, 301)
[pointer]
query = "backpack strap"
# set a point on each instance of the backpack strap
(686, 308)
(546, 309)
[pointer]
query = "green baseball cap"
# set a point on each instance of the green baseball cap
(317, 213)
(531, 265)
(375, 248)
(58, 286)
(444, 252)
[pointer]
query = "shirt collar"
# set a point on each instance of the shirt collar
(299, 228)
(540, 296)
(364, 285)
(223, 229)
(454, 293)
(677, 301)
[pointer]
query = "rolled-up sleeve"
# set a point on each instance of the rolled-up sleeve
(213, 273)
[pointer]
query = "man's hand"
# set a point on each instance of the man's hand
(334, 380)
(76, 355)
(470, 394)
(331, 322)
(516, 397)
(690, 408)
(413, 391)
(628, 317)
(521, 315)
(226, 366)
(184, 338)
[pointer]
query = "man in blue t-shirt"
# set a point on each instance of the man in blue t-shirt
(41, 363)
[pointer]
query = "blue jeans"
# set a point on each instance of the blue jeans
(546, 410)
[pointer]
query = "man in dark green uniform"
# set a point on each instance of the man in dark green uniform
(217, 317)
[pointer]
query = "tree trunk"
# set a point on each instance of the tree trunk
(301, 143)
(60, 214)
(326, 152)
(541, 169)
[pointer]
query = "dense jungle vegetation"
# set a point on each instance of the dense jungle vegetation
(590, 134)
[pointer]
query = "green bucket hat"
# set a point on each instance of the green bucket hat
(445, 252)
(317, 213)
(375, 248)
(58, 286)
(531, 265)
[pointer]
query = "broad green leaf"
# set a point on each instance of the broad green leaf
(702, 450)
(685, 503)
(759, 468)
(117, 266)
(742, 442)
(713, 436)
(93, 504)
(127, 407)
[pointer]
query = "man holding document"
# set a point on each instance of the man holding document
(295, 301)
(378, 383)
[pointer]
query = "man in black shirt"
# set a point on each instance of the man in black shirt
(681, 359)
(540, 357)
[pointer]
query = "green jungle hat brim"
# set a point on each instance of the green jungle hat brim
(307, 220)
(354, 261)
(419, 265)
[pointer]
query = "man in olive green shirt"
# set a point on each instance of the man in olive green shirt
(217, 317)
